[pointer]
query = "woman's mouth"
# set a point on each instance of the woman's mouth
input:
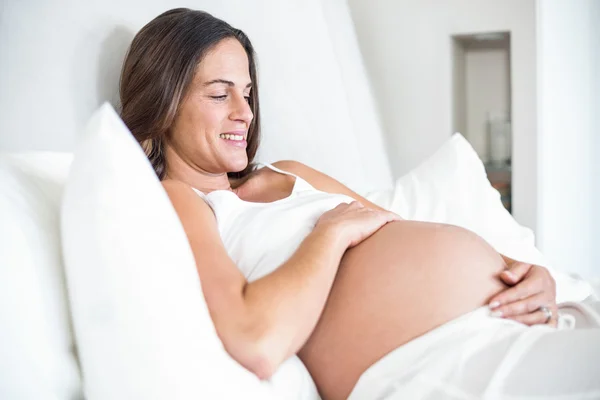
(234, 140)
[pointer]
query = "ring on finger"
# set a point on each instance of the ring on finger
(547, 312)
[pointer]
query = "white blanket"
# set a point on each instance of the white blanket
(480, 357)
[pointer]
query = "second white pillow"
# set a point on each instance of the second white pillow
(451, 186)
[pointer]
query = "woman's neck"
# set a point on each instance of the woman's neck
(178, 169)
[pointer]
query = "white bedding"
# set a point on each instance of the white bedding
(424, 194)
(451, 187)
(480, 357)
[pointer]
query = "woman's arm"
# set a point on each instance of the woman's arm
(532, 286)
(284, 307)
(264, 322)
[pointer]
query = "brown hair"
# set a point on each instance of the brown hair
(158, 70)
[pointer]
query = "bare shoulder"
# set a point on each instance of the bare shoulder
(321, 181)
(171, 184)
(187, 203)
(288, 165)
(177, 190)
(316, 178)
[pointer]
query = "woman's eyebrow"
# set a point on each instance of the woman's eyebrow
(226, 82)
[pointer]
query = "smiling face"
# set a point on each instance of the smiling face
(210, 131)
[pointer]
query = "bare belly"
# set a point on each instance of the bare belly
(406, 279)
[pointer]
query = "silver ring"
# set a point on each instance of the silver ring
(548, 313)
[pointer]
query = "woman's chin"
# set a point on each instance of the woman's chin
(237, 165)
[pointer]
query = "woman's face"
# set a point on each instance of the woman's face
(215, 114)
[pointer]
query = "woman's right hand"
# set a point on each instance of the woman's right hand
(354, 222)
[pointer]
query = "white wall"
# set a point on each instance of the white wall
(568, 122)
(61, 59)
(596, 111)
(487, 89)
(408, 52)
(459, 89)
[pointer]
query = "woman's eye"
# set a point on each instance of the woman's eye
(223, 97)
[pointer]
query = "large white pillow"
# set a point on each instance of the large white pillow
(451, 186)
(37, 358)
(141, 324)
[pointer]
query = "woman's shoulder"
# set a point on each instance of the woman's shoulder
(315, 178)
(297, 168)
(176, 187)
(289, 165)
(186, 200)
(322, 181)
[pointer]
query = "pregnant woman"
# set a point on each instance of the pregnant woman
(292, 261)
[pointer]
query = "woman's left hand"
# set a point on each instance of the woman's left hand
(532, 288)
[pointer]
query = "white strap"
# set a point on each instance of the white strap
(274, 168)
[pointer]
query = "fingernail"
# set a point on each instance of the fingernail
(496, 314)
(494, 304)
(510, 274)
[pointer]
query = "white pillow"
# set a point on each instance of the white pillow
(37, 360)
(142, 327)
(451, 186)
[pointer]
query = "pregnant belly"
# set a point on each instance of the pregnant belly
(406, 279)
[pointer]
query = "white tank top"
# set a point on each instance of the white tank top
(259, 237)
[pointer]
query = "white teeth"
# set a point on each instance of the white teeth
(231, 137)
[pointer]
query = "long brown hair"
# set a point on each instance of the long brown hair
(158, 70)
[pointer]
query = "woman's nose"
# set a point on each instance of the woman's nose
(241, 110)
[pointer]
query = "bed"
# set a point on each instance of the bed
(45, 326)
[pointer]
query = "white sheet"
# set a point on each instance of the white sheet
(479, 357)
